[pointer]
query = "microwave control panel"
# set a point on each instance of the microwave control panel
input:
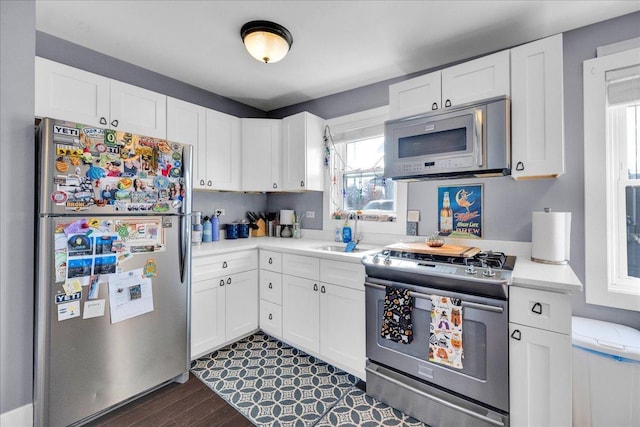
(443, 165)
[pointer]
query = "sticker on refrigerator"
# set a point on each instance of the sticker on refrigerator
(93, 309)
(150, 268)
(62, 298)
(68, 310)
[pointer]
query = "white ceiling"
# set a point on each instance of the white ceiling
(338, 45)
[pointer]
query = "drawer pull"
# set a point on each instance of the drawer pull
(537, 308)
(315, 286)
(229, 281)
(516, 335)
(209, 183)
(224, 264)
(103, 121)
(202, 182)
(270, 316)
(270, 285)
(114, 123)
(323, 290)
(434, 106)
(221, 282)
(270, 260)
(519, 166)
(447, 103)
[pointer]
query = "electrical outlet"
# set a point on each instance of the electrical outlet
(311, 214)
(219, 212)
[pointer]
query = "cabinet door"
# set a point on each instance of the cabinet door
(207, 316)
(475, 80)
(539, 377)
(537, 109)
(223, 151)
(186, 124)
(271, 318)
(302, 149)
(261, 154)
(342, 327)
(300, 312)
(415, 96)
(67, 93)
(138, 110)
(241, 292)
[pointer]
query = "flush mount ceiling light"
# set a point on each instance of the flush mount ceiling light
(266, 41)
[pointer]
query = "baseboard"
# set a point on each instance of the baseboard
(19, 417)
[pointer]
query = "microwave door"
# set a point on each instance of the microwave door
(437, 138)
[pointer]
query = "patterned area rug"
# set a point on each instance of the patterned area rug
(274, 384)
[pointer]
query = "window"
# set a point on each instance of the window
(355, 181)
(612, 179)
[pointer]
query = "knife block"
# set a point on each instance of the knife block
(261, 230)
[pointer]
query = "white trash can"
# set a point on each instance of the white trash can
(606, 374)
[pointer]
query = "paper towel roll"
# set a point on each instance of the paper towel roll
(550, 237)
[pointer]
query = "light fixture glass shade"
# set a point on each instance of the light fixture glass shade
(266, 41)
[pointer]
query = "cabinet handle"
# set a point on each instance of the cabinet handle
(315, 286)
(447, 103)
(103, 121)
(519, 166)
(270, 285)
(114, 123)
(229, 281)
(270, 316)
(224, 264)
(221, 282)
(323, 290)
(537, 308)
(209, 183)
(301, 183)
(202, 182)
(270, 260)
(434, 106)
(516, 335)
(275, 185)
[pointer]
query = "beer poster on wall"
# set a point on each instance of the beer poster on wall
(460, 211)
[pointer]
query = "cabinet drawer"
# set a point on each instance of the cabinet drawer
(221, 265)
(540, 309)
(342, 273)
(301, 266)
(271, 286)
(271, 318)
(270, 260)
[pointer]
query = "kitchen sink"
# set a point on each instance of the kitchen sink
(339, 248)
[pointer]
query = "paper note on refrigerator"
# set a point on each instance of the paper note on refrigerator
(130, 295)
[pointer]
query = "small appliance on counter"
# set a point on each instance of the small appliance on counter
(286, 221)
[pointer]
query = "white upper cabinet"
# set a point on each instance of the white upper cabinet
(223, 151)
(481, 78)
(475, 80)
(415, 96)
(302, 149)
(261, 142)
(186, 123)
(67, 93)
(537, 109)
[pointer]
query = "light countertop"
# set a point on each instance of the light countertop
(559, 278)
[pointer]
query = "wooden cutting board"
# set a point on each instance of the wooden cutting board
(445, 250)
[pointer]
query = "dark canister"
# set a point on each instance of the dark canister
(231, 231)
(243, 230)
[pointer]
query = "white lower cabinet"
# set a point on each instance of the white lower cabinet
(224, 307)
(301, 312)
(539, 358)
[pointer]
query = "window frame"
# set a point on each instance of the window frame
(351, 123)
(603, 284)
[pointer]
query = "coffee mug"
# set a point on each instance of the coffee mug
(232, 231)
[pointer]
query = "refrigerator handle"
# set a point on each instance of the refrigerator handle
(182, 250)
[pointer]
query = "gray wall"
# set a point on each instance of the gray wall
(17, 49)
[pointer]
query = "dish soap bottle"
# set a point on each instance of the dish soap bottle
(207, 235)
(346, 232)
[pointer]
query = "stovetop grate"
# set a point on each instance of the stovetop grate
(482, 259)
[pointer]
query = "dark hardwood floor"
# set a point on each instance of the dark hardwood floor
(190, 404)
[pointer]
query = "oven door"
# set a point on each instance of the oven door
(484, 377)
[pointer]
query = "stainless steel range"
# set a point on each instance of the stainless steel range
(405, 374)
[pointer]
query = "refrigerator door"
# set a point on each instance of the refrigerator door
(101, 345)
(88, 170)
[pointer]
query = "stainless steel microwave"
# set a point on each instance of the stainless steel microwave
(467, 140)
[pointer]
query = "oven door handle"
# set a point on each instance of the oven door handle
(434, 398)
(469, 304)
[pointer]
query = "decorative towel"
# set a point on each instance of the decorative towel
(445, 332)
(396, 321)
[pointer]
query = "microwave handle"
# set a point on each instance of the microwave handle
(478, 131)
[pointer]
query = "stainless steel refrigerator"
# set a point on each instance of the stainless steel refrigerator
(113, 269)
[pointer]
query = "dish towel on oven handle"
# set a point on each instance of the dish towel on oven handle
(396, 321)
(445, 331)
